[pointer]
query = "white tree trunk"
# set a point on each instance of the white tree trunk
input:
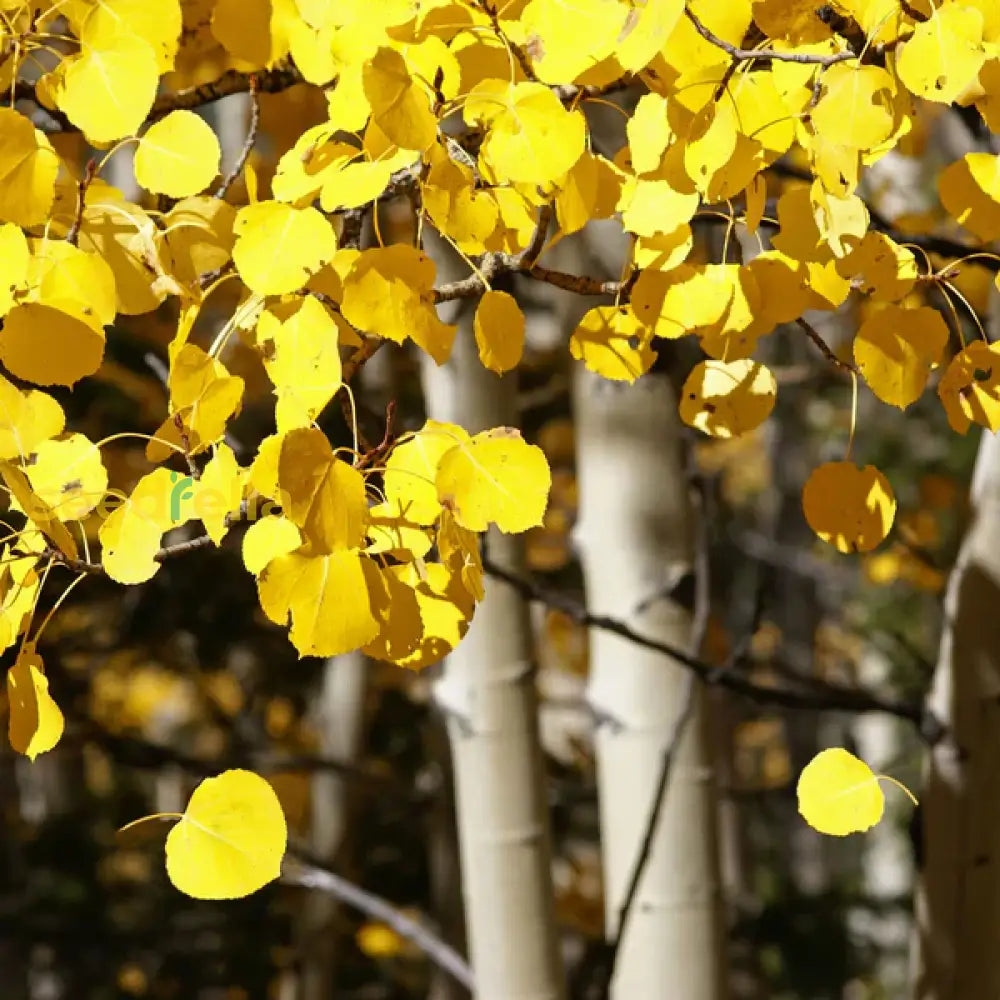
(487, 690)
(958, 896)
(635, 539)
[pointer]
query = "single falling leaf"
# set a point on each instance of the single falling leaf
(499, 329)
(970, 387)
(497, 477)
(35, 724)
(231, 839)
(278, 247)
(848, 507)
(178, 156)
(896, 348)
(727, 399)
(839, 794)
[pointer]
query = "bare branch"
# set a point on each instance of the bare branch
(301, 870)
(81, 199)
(241, 160)
(814, 336)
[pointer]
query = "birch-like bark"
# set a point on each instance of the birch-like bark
(635, 537)
(487, 690)
(958, 894)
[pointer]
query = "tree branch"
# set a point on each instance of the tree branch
(827, 353)
(248, 145)
(824, 696)
(301, 869)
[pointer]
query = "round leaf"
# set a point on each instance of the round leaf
(850, 508)
(179, 156)
(230, 840)
(838, 794)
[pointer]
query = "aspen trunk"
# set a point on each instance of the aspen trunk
(487, 691)
(635, 536)
(958, 894)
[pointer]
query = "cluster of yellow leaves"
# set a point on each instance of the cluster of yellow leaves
(477, 113)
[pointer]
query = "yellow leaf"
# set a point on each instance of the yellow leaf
(612, 342)
(230, 840)
(838, 794)
(880, 268)
(199, 235)
(218, 493)
(499, 328)
(454, 206)
(970, 192)
(108, 89)
(411, 470)
(51, 344)
(532, 138)
(203, 396)
(327, 598)
(36, 724)
(268, 538)
(302, 359)
(727, 399)
(36, 509)
(28, 169)
(378, 940)
(970, 387)
(69, 476)
(255, 31)
(945, 53)
(130, 535)
(563, 55)
(653, 207)
(794, 20)
(322, 495)
(27, 418)
(15, 260)
(590, 190)
(178, 156)
(896, 349)
(848, 507)
(389, 293)
(278, 247)
(649, 133)
(157, 24)
(400, 103)
(854, 106)
(396, 604)
(62, 274)
(495, 477)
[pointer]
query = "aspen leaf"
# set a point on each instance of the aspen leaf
(219, 492)
(611, 341)
(278, 247)
(839, 794)
(36, 509)
(35, 724)
(564, 55)
(51, 343)
(268, 538)
(159, 25)
(648, 132)
(27, 418)
(853, 109)
(28, 169)
(325, 596)
(970, 191)
(533, 138)
(389, 532)
(653, 207)
(848, 507)
(499, 329)
(230, 840)
(199, 236)
(15, 260)
(302, 359)
(495, 477)
(411, 470)
(880, 268)
(727, 399)
(130, 535)
(945, 53)
(178, 156)
(322, 495)
(970, 387)
(896, 348)
(396, 604)
(69, 476)
(108, 90)
(399, 102)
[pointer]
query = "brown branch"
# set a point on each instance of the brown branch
(826, 697)
(271, 81)
(827, 353)
(81, 200)
(248, 145)
(807, 58)
(582, 284)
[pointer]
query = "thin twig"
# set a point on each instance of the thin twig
(828, 697)
(301, 870)
(248, 145)
(81, 200)
(814, 336)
